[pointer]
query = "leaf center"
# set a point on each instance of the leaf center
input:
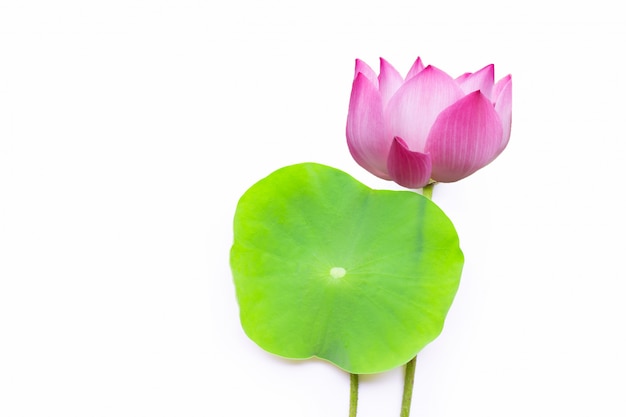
(337, 272)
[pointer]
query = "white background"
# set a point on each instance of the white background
(129, 129)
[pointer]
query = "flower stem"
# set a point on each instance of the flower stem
(409, 370)
(354, 394)
(427, 191)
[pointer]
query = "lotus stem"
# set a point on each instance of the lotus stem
(354, 394)
(409, 370)
(407, 395)
(427, 191)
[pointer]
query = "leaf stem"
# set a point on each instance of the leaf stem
(354, 394)
(407, 395)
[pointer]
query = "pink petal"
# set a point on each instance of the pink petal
(389, 80)
(503, 95)
(407, 168)
(481, 80)
(412, 111)
(497, 89)
(365, 127)
(462, 77)
(416, 68)
(466, 137)
(363, 68)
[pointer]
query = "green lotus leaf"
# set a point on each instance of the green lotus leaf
(326, 267)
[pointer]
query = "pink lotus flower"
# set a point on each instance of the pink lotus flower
(427, 126)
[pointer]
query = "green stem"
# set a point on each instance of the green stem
(409, 370)
(354, 394)
(427, 191)
(407, 395)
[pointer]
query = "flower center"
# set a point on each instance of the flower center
(337, 272)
